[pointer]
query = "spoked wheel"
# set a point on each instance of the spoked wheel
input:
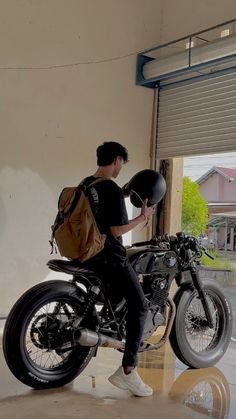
(205, 392)
(49, 334)
(193, 341)
(38, 339)
(199, 336)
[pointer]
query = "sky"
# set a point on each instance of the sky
(195, 167)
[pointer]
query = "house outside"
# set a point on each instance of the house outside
(218, 188)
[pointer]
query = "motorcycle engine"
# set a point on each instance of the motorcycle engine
(156, 291)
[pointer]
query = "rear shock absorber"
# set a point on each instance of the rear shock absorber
(93, 293)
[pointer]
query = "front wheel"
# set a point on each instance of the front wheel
(193, 341)
(38, 335)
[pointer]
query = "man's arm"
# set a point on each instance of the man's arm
(145, 215)
(120, 230)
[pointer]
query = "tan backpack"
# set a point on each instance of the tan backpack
(75, 230)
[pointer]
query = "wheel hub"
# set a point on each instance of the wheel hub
(198, 323)
(49, 332)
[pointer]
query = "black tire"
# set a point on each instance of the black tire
(194, 343)
(204, 391)
(22, 358)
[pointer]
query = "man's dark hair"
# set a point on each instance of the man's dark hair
(108, 151)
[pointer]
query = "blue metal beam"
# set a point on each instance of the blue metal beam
(143, 58)
(140, 80)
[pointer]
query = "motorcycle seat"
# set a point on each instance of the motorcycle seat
(71, 267)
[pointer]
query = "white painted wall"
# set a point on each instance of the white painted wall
(67, 82)
(55, 110)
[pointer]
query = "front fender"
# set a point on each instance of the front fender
(188, 286)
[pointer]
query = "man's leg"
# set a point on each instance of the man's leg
(137, 313)
(126, 377)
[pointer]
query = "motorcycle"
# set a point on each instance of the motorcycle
(57, 326)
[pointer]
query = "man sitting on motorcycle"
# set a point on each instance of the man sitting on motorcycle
(112, 262)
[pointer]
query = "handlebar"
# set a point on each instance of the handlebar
(207, 254)
(180, 241)
(152, 242)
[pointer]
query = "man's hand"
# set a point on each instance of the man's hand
(145, 215)
(147, 212)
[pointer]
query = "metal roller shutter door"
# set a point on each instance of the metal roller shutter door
(197, 117)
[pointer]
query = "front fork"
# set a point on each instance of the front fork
(198, 284)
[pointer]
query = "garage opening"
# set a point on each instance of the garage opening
(195, 83)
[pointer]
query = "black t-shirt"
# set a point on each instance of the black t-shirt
(108, 204)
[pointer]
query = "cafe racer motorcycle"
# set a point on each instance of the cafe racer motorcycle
(57, 326)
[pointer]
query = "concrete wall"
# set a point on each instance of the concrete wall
(67, 84)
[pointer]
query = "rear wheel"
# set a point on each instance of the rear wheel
(193, 341)
(38, 336)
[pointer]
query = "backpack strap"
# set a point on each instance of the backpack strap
(100, 179)
(90, 185)
(75, 196)
(74, 199)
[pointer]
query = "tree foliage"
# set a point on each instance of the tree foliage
(194, 209)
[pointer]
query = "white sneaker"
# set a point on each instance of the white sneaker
(131, 382)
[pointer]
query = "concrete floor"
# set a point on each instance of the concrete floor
(179, 393)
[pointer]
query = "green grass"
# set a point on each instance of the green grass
(218, 263)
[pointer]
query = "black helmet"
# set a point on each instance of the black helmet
(145, 184)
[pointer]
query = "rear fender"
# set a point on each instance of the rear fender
(88, 282)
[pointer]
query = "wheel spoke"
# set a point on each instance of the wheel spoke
(38, 339)
(201, 398)
(200, 337)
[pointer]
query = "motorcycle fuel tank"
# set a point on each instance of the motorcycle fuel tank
(148, 261)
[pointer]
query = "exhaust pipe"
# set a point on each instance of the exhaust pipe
(86, 337)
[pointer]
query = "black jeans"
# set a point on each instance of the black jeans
(122, 278)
